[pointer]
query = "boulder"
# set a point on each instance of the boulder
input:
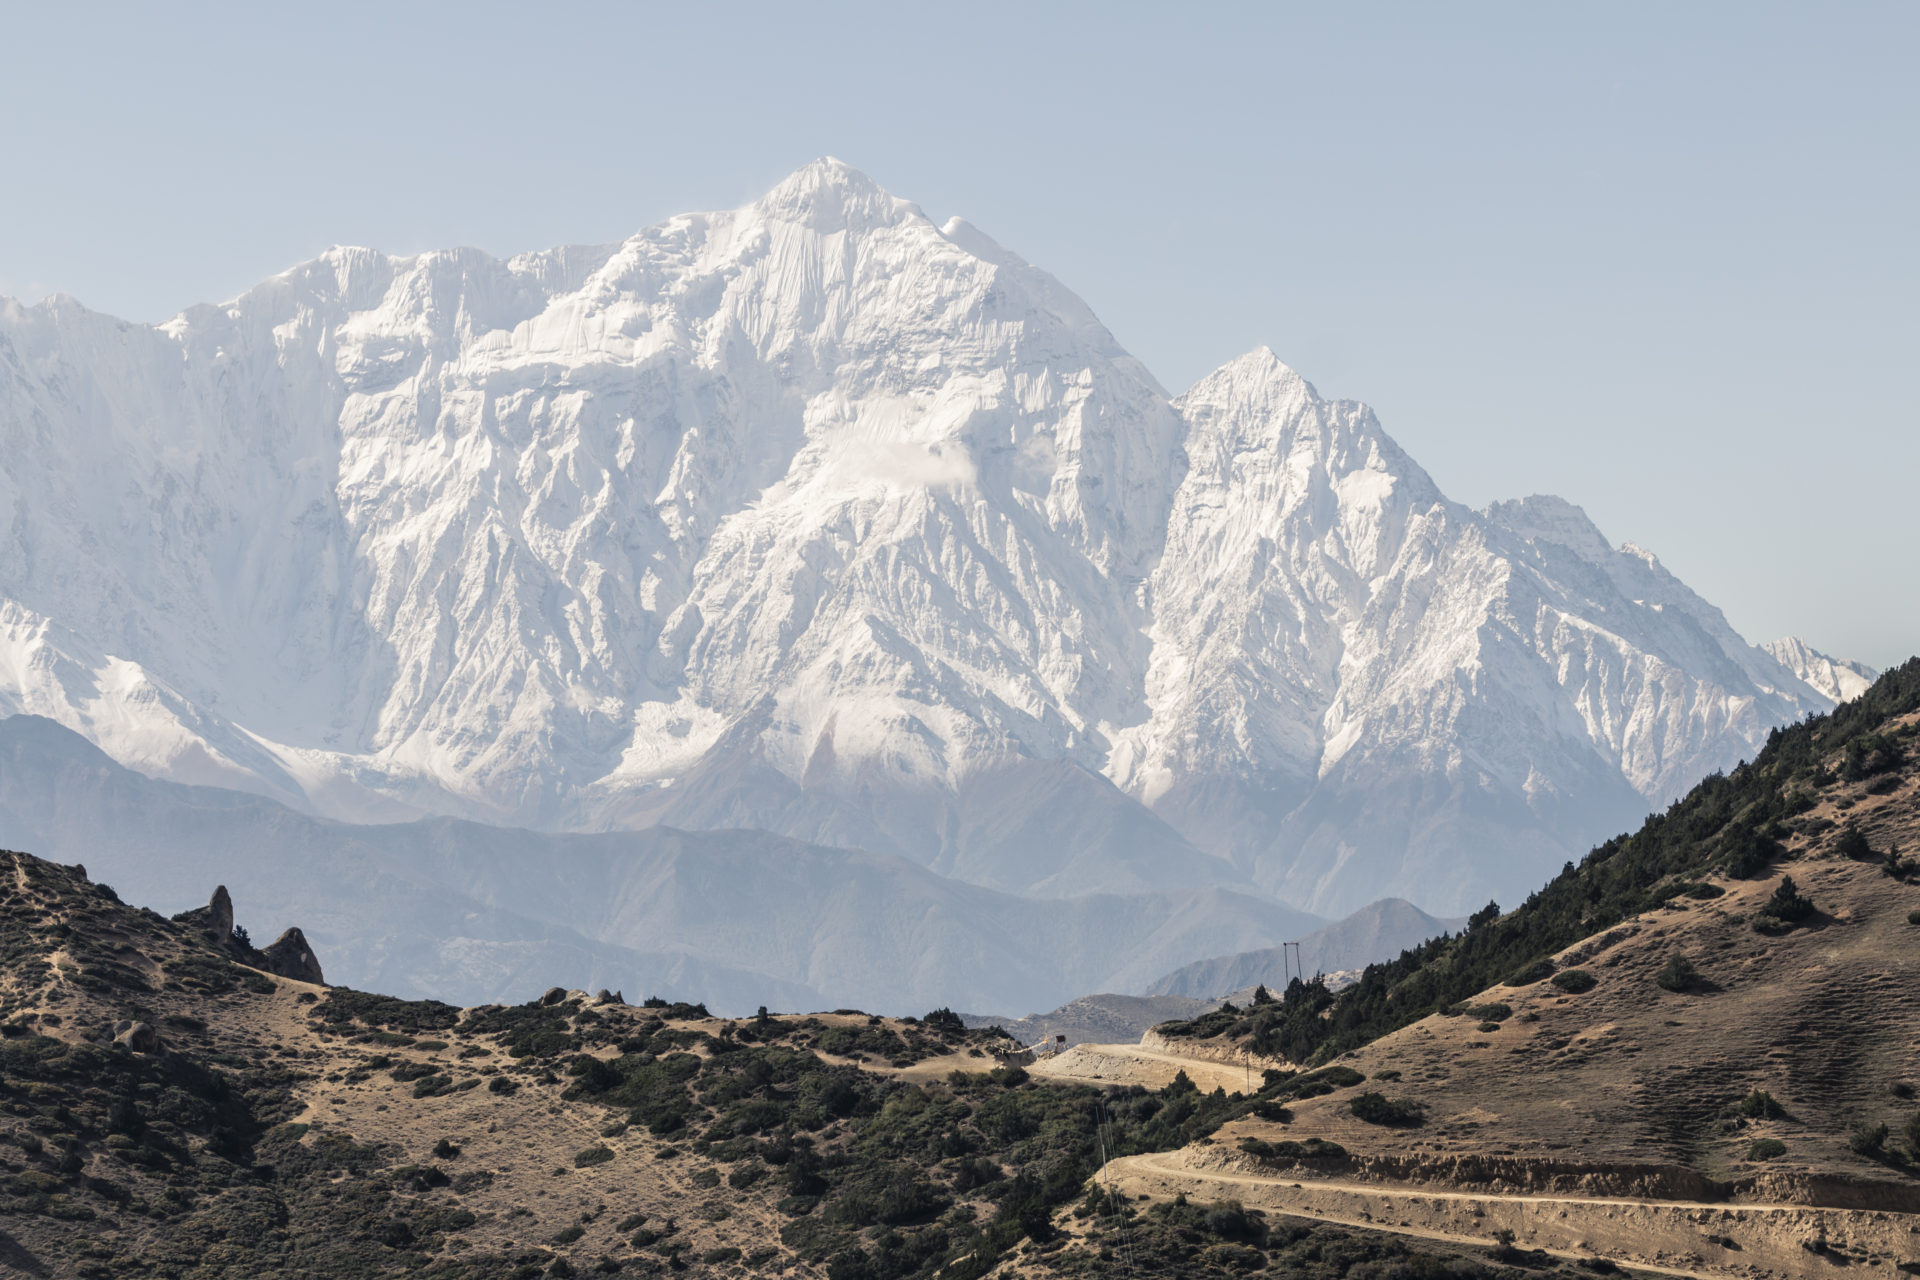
(291, 957)
(140, 1037)
(554, 995)
(215, 919)
(220, 913)
(609, 997)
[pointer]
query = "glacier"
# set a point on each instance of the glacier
(821, 519)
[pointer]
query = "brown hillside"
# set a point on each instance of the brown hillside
(1631, 1088)
(168, 1111)
(158, 1098)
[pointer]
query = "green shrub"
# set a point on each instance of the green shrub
(1575, 981)
(432, 1086)
(344, 1006)
(1868, 754)
(1310, 1149)
(1678, 973)
(1749, 853)
(1528, 974)
(1852, 842)
(1761, 1105)
(1868, 1139)
(1272, 1112)
(1766, 1149)
(944, 1021)
(569, 1234)
(1315, 1084)
(714, 1257)
(1495, 1012)
(1376, 1108)
(596, 1154)
(1913, 917)
(1786, 908)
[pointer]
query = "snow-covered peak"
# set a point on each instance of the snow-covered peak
(1255, 411)
(1839, 679)
(1254, 395)
(829, 196)
(1545, 518)
(816, 516)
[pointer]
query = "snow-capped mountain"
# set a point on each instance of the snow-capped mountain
(821, 518)
(1840, 680)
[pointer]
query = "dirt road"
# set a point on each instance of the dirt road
(1676, 1237)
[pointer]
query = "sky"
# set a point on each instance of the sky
(1662, 260)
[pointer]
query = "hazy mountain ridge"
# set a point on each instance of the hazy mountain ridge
(470, 913)
(819, 518)
(1378, 931)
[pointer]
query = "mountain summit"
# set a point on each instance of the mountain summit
(816, 517)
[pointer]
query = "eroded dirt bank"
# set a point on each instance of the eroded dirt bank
(1144, 1065)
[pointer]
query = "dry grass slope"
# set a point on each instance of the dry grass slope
(168, 1112)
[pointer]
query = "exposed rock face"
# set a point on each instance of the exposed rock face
(291, 957)
(216, 917)
(553, 996)
(137, 1036)
(220, 913)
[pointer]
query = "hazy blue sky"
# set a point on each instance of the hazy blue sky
(1660, 259)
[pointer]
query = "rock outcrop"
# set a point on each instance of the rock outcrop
(220, 913)
(216, 918)
(140, 1037)
(289, 956)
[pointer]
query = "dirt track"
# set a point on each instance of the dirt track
(1120, 1064)
(1677, 1237)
